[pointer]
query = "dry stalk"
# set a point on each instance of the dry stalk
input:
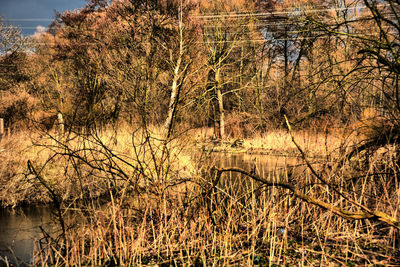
(349, 215)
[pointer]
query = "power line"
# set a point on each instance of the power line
(235, 14)
(266, 23)
(28, 19)
(205, 27)
(272, 32)
(240, 41)
(278, 23)
(299, 11)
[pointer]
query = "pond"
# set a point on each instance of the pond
(21, 227)
(263, 163)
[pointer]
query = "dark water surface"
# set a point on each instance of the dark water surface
(19, 228)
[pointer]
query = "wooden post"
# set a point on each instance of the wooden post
(1, 126)
(60, 122)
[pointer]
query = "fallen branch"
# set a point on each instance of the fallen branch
(360, 215)
(316, 175)
(349, 215)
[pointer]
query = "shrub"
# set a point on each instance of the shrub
(16, 108)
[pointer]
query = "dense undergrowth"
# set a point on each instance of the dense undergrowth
(132, 194)
(131, 198)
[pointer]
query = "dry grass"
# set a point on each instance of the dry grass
(161, 205)
(238, 222)
(15, 188)
(279, 142)
(314, 143)
(79, 164)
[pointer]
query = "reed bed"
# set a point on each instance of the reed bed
(238, 222)
(131, 198)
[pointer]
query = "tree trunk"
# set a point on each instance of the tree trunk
(175, 88)
(221, 128)
(173, 100)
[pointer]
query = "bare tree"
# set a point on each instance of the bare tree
(226, 44)
(11, 39)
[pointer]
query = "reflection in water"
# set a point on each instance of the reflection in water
(261, 163)
(19, 228)
(233, 185)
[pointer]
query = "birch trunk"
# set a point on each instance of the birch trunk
(221, 127)
(175, 88)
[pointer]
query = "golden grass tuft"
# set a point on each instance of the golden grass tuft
(279, 141)
(372, 125)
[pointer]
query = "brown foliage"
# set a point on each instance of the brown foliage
(372, 125)
(241, 125)
(16, 108)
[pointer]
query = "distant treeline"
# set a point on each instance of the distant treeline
(238, 66)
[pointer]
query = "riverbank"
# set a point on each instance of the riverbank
(48, 154)
(78, 165)
(278, 143)
(128, 197)
(52, 158)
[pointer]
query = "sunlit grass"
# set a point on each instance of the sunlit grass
(238, 223)
(279, 142)
(142, 201)
(76, 162)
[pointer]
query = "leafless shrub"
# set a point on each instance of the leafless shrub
(17, 108)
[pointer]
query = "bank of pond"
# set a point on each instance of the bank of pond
(22, 228)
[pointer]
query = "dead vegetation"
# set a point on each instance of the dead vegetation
(127, 193)
(130, 198)
(225, 218)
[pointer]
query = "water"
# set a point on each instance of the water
(19, 228)
(260, 162)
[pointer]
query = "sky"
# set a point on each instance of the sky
(33, 15)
